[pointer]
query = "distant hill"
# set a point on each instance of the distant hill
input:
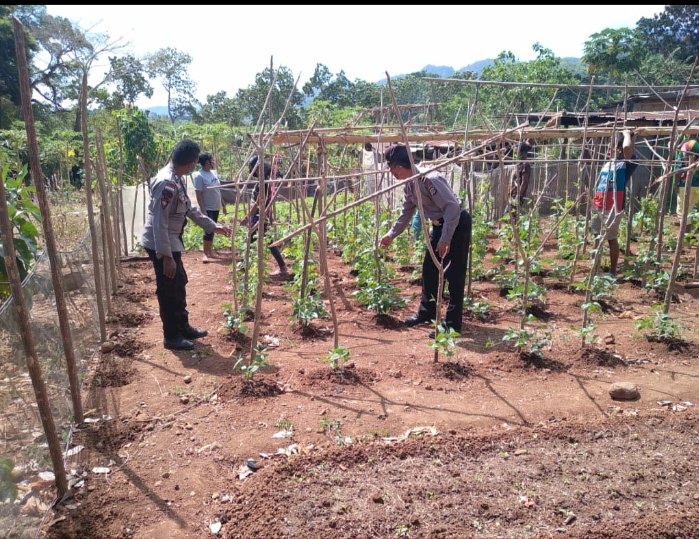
(448, 71)
(157, 111)
(477, 67)
(440, 71)
(575, 65)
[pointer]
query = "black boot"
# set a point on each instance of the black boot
(189, 332)
(178, 343)
(415, 320)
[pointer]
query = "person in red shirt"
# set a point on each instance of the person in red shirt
(610, 197)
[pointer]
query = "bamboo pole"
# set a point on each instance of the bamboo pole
(323, 249)
(90, 209)
(680, 236)
(33, 365)
(46, 223)
(120, 192)
(582, 242)
(262, 213)
(107, 231)
(133, 214)
(105, 264)
(670, 158)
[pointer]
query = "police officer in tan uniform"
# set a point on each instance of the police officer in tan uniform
(162, 238)
(450, 236)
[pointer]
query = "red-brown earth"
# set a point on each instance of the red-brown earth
(481, 444)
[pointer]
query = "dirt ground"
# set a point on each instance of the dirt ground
(482, 444)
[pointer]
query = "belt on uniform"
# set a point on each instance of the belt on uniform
(437, 222)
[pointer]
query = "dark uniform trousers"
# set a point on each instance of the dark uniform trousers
(455, 274)
(276, 252)
(172, 295)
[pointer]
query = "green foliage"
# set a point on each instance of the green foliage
(128, 74)
(258, 362)
(660, 326)
(68, 51)
(333, 426)
(479, 309)
(10, 100)
(587, 332)
(545, 68)
(535, 291)
(8, 488)
(336, 357)
(308, 308)
(403, 248)
(252, 98)
(338, 92)
(570, 231)
(24, 215)
(170, 66)
(529, 340)
(444, 340)
(613, 52)
(674, 31)
(138, 140)
(644, 218)
(381, 297)
(234, 320)
(480, 230)
(220, 108)
(284, 423)
(602, 287)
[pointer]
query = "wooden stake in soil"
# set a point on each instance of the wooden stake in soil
(323, 246)
(120, 193)
(680, 236)
(90, 210)
(107, 229)
(51, 249)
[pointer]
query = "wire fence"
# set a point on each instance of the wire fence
(26, 480)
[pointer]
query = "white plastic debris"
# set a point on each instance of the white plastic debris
(270, 342)
(244, 471)
(415, 431)
(97, 419)
(101, 470)
(215, 527)
(293, 449)
(73, 451)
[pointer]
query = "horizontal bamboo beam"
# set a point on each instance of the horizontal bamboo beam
(477, 134)
(477, 82)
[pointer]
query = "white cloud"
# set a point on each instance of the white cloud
(231, 44)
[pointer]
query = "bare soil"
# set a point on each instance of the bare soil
(481, 444)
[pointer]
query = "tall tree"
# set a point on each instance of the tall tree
(128, 74)
(320, 79)
(675, 30)
(10, 101)
(546, 68)
(139, 141)
(219, 108)
(614, 54)
(252, 98)
(170, 65)
(65, 44)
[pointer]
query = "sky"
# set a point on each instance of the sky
(229, 45)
